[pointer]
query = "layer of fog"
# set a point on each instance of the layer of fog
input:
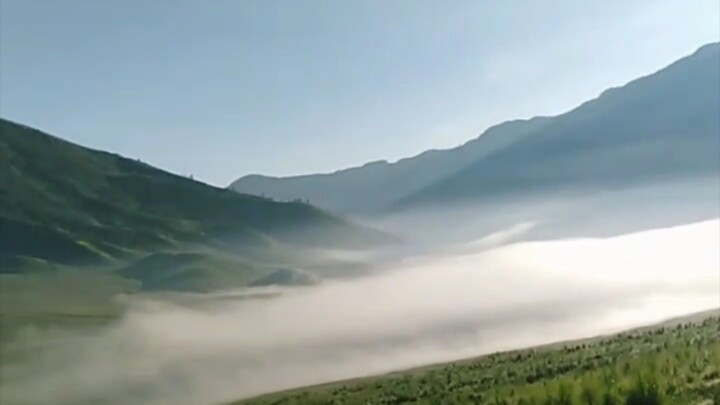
(569, 212)
(423, 310)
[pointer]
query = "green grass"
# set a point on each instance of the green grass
(666, 365)
(192, 271)
(54, 297)
(63, 292)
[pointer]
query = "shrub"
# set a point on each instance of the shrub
(645, 391)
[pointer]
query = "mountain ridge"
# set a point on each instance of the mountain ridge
(663, 124)
(390, 180)
(375, 188)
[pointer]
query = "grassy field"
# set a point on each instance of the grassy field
(64, 298)
(673, 363)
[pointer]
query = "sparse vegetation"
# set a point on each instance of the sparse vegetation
(666, 365)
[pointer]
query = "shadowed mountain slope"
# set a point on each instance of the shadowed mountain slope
(663, 126)
(64, 203)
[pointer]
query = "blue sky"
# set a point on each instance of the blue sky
(225, 88)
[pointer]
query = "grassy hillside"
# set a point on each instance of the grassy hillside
(63, 203)
(665, 365)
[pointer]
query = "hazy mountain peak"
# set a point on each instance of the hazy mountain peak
(648, 114)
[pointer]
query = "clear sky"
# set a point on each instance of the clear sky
(224, 88)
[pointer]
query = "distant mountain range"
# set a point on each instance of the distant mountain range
(65, 205)
(662, 126)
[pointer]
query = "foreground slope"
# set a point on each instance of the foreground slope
(63, 203)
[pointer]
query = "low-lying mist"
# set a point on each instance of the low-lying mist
(483, 297)
(569, 212)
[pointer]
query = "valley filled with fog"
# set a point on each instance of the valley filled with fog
(335, 253)
(508, 288)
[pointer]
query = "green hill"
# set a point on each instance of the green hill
(61, 203)
(286, 277)
(191, 271)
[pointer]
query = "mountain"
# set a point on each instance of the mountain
(377, 185)
(65, 204)
(286, 277)
(663, 125)
(659, 127)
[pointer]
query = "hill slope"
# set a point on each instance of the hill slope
(64, 203)
(662, 126)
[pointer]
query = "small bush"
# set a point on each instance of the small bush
(645, 391)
